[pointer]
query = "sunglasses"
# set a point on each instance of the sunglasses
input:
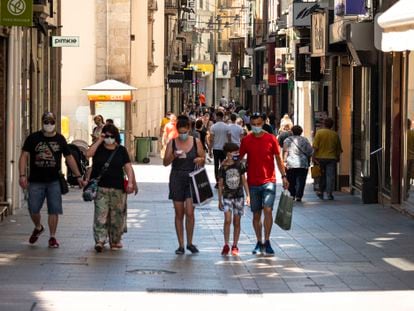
(109, 136)
(49, 122)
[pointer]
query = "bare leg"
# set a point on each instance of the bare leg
(226, 226)
(179, 218)
(189, 220)
(257, 225)
(53, 222)
(36, 220)
(236, 229)
(268, 221)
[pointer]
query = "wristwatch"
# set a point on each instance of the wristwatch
(284, 176)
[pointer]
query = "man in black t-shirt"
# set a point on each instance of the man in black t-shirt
(44, 149)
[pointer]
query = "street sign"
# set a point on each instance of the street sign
(65, 41)
(16, 13)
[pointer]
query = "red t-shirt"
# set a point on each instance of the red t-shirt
(260, 153)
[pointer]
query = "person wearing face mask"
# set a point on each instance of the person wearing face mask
(232, 180)
(262, 149)
(109, 220)
(99, 122)
(44, 149)
(184, 153)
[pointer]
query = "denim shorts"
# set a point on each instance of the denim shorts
(39, 191)
(262, 196)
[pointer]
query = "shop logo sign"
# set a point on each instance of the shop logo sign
(16, 7)
(16, 13)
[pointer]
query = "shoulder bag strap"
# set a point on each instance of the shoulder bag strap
(53, 153)
(106, 165)
(300, 149)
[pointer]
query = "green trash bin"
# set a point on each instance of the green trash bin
(143, 147)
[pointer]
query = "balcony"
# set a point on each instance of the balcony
(171, 7)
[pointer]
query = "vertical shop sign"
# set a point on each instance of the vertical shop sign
(16, 13)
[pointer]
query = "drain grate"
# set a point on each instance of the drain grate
(253, 291)
(197, 291)
(151, 271)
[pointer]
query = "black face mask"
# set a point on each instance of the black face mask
(236, 157)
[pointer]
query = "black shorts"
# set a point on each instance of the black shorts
(180, 186)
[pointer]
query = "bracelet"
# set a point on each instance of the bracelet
(284, 176)
(22, 175)
(77, 177)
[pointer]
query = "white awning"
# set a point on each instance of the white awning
(394, 29)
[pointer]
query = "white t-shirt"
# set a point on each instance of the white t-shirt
(236, 132)
(220, 130)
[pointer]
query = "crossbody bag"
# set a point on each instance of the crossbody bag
(91, 189)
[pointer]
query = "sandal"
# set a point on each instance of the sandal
(180, 251)
(192, 248)
(116, 246)
(99, 247)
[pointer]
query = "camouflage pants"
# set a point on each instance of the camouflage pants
(109, 215)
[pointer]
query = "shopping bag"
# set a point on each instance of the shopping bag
(200, 186)
(284, 211)
(316, 171)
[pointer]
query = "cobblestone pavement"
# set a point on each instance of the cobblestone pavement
(338, 255)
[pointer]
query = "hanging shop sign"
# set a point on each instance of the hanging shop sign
(16, 13)
(223, 66)
(246, 72)
(176, 80)
(64, 41)
(205, 68)
(350, 7)
(190, 16)
(319, 34)
(300, 13)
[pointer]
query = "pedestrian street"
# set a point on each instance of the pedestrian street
(339, 255)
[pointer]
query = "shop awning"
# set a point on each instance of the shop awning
(110, 90)
(395, 28)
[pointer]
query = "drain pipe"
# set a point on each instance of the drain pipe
(13, 119)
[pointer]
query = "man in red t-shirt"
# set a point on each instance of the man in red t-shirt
(262, 149)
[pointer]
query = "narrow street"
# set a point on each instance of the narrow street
(338, 255)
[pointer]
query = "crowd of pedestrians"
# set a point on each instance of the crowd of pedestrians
(245, 149)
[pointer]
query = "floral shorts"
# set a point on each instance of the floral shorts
(234, 205)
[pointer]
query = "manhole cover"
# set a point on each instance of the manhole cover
(151, 271)
(200, 291)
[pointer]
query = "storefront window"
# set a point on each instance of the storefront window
(409, 172)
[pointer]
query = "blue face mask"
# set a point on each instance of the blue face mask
(236, 157)
(183, 136)
(256, 129)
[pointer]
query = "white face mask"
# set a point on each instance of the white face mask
(49, 128)
(109, 140)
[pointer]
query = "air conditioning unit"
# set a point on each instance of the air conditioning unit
(41, 7)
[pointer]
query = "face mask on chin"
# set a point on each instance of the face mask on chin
(256, 129)
(49, 128)
(109, 140)
(183, 136)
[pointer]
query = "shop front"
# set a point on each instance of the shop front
(394, 36)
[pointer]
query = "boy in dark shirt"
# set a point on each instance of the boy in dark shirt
(232, 180)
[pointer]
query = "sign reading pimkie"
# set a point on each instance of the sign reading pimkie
(109, 97)
(65, 41)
